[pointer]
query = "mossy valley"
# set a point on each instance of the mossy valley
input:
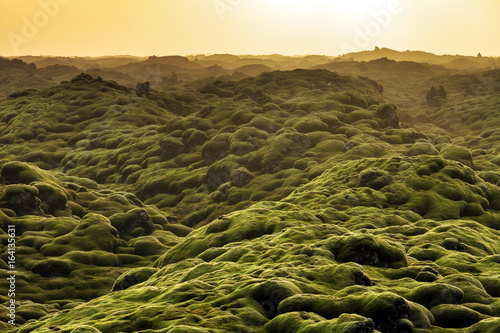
(252, 194)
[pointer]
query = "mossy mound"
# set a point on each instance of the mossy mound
(367, 250)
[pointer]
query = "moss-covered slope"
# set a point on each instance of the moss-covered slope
(295, 201)
(371, 244)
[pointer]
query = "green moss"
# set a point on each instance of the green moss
(85, 329)
(312, 124)
(422, 148)
(132, 277)
(358, 115)
(17, 172)
(327, 148)
(374, 178)
(367, 150)
(148, 246)
(473, 289)
(431, 295)
(486, 325)
(21, 199)
(94, 232)
(455, 316)
(127, 223)
(398, 194)
(456, 153)
(53, 267)
(363, 226)
(367, 250)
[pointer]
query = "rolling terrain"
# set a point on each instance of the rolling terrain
(252, 194)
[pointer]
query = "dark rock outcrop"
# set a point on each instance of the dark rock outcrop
(436, 97)
(143, 89)
(387, 112)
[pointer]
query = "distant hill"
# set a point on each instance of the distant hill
(418, 56)
(82, 62)
(165, 71)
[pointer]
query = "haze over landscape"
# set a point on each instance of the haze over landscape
(289, 27)
(250, 166)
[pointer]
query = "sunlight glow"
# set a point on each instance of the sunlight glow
(246, 26)
(355, 7)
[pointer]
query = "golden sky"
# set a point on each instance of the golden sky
(290, 27)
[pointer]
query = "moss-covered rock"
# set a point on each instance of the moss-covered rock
(455, 316)
(21, 199)
(93, 232)
(367, 250)
(135, 222)
(133, 277)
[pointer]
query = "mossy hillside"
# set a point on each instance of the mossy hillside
(212, 152)
(468, 118)
(68, 251)
(112, 136)
(71, 129)
(298, 262)
(239, 147)
(251, 134)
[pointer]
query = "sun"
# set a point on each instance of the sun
(357, 7)
(348, 8)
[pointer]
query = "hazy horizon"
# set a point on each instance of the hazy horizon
(239, 55)
(241, 27)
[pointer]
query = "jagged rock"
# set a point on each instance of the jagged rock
(436, 97)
